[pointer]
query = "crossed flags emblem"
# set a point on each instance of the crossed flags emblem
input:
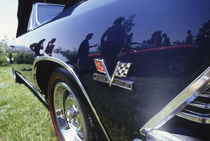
(121, 69)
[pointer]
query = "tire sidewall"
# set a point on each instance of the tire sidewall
(60, 75)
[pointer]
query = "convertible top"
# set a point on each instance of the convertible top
(24, 11)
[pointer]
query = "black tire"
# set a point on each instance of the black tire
(62, 90)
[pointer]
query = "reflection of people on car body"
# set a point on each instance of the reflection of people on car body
(50, 47)
(112, 39)
(189, 38)
(166, 40)
(36, 47)
(83, 51)
(128, 25)
(156, 38)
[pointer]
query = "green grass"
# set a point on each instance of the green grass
(22, 116)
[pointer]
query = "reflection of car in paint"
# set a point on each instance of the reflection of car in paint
(177, 59)
(129, 87)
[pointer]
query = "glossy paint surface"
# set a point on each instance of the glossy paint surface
(164, 40)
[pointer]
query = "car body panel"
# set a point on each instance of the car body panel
(159, 72)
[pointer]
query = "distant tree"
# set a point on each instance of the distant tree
(4, 41)
(203, 38)
(3, 45)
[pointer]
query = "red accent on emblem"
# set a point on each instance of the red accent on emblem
(100, 66)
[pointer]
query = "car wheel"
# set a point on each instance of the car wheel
(70, 113)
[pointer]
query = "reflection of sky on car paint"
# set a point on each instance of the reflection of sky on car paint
(175, 17)
(8, 12)
(91, 5)
(101, 24)
(176, 26)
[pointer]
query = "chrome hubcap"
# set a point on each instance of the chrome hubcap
(68, 114)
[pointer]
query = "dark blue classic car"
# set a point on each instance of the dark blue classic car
(120, 70)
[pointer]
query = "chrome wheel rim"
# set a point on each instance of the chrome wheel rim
(68, 114)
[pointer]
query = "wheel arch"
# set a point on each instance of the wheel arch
(43, 68)
(51, 63)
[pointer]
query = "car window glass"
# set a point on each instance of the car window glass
(47, 12)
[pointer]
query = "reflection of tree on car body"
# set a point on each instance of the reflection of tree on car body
(203, 40)
(189, 38)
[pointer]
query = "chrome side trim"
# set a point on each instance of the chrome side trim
(200, 105)
(191, 92)
(154, 135)
(157, 135)
(195, 113)
(125, 84)
(193, 117)
(34, 90)
(198, 110)
(71, 71)
(36, 15)
(205, 95)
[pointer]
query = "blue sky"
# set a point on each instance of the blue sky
(8, 16)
